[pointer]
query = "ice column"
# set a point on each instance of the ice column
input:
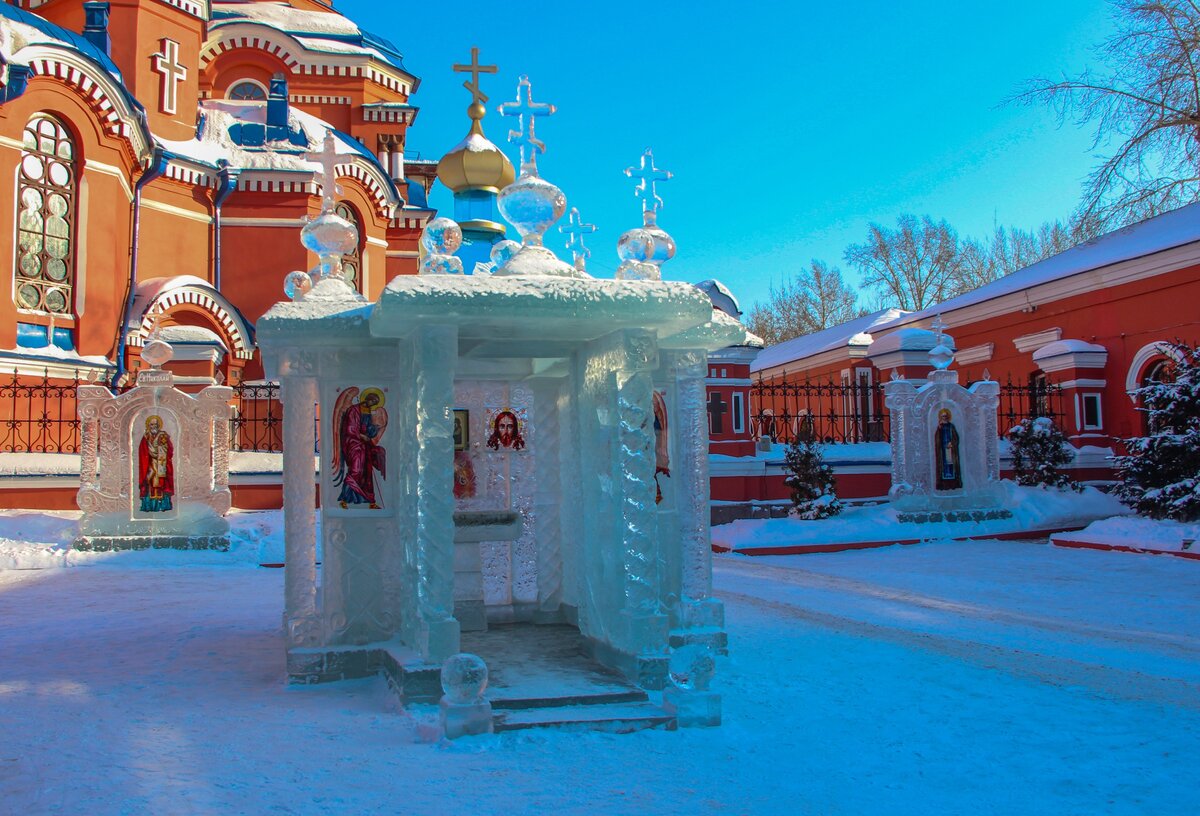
(437, 350)
(547, 499)
(300, 536)
(689, 475)
(645, 626)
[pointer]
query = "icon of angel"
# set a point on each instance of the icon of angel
(359, 461)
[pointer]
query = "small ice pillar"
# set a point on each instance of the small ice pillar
(691, 486)
(436, 355)
(299, 395)
(547, 499)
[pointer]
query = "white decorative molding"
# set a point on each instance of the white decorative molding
(1083, 383)
(1062, 355)
(189, 175)
(975, 354)
(1030, 342)
(197, 10)
(178, 212)
(1133, 377)
(310, 99)
(211, 301)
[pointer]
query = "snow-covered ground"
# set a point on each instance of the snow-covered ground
(1141, 534)
(1032, 508)
(947, 678)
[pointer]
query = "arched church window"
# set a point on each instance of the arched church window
(247, 91)
(46, 194)
(352, 260)
(1158, 372)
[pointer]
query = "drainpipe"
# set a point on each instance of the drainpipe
(157, 166)
(227, 178)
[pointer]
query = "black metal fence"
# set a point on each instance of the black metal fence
(38, 414)
(852, 412)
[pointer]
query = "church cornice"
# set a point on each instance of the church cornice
(299, 58)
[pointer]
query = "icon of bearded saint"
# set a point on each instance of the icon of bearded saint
(506, 432)
(156, 467)
(358, 425)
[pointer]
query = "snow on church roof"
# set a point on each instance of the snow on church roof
(1157, 234)
(315, 30)
(854, 332)
(216, 139)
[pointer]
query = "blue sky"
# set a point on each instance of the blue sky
(789, 126)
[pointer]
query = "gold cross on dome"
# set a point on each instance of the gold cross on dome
(475, 69)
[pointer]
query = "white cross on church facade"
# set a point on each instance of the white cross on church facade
(166, 64)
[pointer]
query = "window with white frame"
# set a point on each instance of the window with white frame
(739, 410)
(1092, 418)
(47, 178)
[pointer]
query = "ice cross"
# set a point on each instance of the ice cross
(474, 69)
(526, 111)
(167, 64)
(938, 326)
(575, 229)
(327, 157)
(647, 176)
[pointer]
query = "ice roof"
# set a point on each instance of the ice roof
(316, 30)
(834, 337)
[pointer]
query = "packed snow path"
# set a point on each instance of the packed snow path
(153, 690)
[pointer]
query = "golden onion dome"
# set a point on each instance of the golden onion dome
(475, 163)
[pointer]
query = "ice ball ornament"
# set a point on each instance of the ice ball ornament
(531, 205)
(441, 265)
(941, 356)
(503, 250)
(464, 677)
(636, 249)
(297, 284)
(692, 667)
(329, 234)
(156, 352)
(441, 236)
(662, 245)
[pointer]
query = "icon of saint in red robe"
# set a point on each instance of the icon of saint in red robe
(156, 468)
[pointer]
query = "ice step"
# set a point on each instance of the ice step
(632, 694)
(616, 718)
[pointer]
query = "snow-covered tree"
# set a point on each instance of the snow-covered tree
(1160, 476)
(1039, 449)
(810, 480)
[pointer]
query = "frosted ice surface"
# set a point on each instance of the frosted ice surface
(692, 667)
(442, 236)
(503, 250)
(464, 678)
(297, 284)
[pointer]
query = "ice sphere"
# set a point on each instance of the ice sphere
(329, 234)
(156, 351)
(464, 677)
(296, 284)
(503, 250)
(441, 236)
(692, 667)
(635, 245)
(662, 245)
(441, 265)
(531, 205)
(941, 356)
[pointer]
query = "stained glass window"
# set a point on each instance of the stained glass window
(352, 261)
(46, 191)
